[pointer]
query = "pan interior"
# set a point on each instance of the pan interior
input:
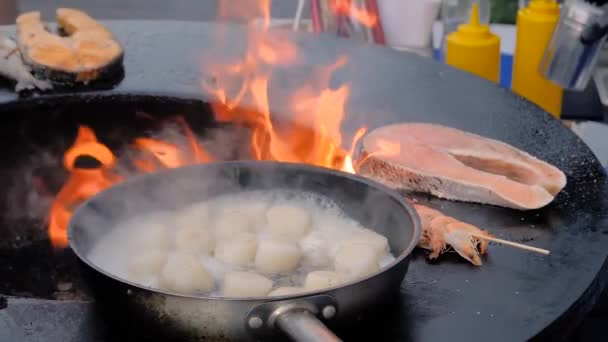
(371, 205)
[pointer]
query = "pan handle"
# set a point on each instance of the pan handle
(296, 318)
(303, 326)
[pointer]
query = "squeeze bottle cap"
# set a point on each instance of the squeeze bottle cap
(474, 48)
(549, 7)
(474, 30)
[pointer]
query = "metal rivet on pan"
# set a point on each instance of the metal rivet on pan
(329, 311)
(255, 322)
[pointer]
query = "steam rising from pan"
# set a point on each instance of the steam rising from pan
(176, 189)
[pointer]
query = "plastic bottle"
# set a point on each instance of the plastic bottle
(535, 25)
(474, 48)
(457, 12)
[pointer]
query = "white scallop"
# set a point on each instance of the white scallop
(152, 236)
(315, 250)
(356, 260)
(195, 215)
(377, 242)
(146, 263)
(253, 210)
(184, 273)
(286, 291)
(239, 250)
(194, 240)
(318, 280)
(288, 221)
(246, 284)
(277, 256)
(216, 267)
(386, 259)
(228, 225)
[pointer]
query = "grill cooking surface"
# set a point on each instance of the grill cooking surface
(514, 296)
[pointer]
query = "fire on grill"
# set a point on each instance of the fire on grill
(104, 148)
(239, 92)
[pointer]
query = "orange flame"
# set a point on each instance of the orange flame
(346, 7)
(312, 135)
(199, 154)
(81, 184)
(158, 154)
(84, 183)
(167, 154)
(245, 10)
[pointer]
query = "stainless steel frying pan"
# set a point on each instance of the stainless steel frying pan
(138, 310)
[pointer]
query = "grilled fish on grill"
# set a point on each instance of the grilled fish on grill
(457, 165)
(88, 52)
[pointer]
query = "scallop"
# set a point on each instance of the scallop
(357, 260)
(276, 256)
(377, 242)
(216, 267)
(318, 280)
(246, 284)
(288, 221)
(239, 250)
(227, 226)
(286, 291)
(194, 240)
(185, 274)
(254, 211)
(316, 250)
(152, 236)
(193, 216)
(148, 263)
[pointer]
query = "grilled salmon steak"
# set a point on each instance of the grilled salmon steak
(457, 165)
(87, 52)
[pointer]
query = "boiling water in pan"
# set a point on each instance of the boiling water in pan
(246, 244)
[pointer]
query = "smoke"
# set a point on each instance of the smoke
(367, 202)
(31, 191)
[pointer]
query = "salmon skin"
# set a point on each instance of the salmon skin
(87, 51)
(457, 165)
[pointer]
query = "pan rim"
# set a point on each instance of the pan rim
(393, 194)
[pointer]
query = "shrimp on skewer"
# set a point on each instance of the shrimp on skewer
(440, 232)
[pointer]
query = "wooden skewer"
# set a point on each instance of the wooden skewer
(512, 244)
(298, 17)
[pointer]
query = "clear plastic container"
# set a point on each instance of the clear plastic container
(354, 19)
(408, 24)
(456, 12)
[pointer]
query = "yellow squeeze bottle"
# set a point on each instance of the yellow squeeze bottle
(474, 48)
(535, 25)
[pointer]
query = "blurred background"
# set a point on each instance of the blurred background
(502, 11)
(587, 104)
